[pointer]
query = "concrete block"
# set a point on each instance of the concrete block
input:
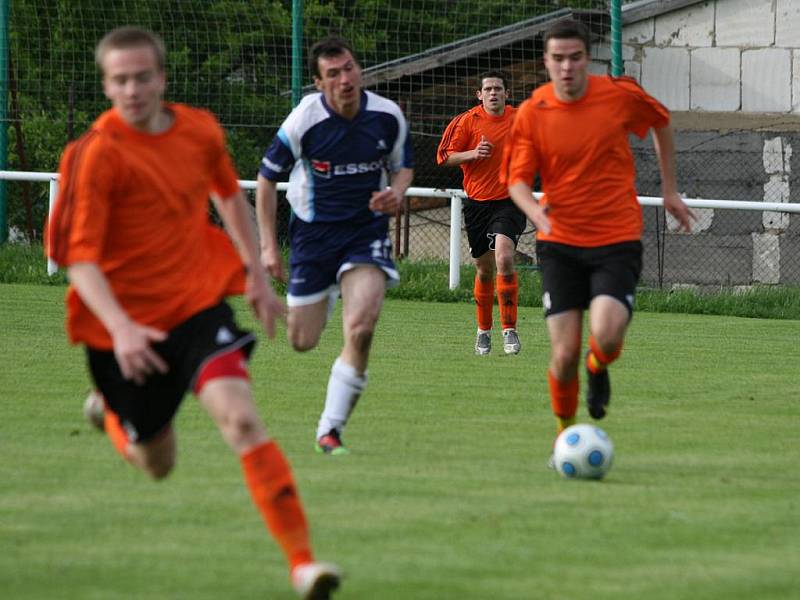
(745, 23)
(690, 26)
(597, 67)
(790, 265)
(705, 218)
(699, 260)
(796, 81)
(777, 160)
(715, 79)
(602, 52)
(766, 258)
(787, 24)
(639, 33)
(767, 80)
(777, 156)
(633, 69)
(776, 190)
(665, 75)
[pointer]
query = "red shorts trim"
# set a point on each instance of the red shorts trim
(229, 364)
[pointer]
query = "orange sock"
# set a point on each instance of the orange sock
(564, 400)
(274, 493)
(116, 433)
(484, 301)
(597, 360)
(507, 295)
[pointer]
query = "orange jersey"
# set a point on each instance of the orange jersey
(481, 177)
(136, 205)
(581, 151)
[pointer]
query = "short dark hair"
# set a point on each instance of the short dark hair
(130, 37)
(568, 29)
(501, 75)
(328, 47)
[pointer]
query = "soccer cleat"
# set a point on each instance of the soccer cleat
(511, 343)
(93, 410)
(483, 342)
(331, 443)
(315, 580)
(598, 393)
(551, 462)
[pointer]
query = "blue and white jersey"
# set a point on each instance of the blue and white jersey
(334, 163)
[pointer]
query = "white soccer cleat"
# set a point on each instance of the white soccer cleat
(511, 343)
(93, 410)
(483, 342)
(315, 580)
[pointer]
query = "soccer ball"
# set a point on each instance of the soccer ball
(583, 452)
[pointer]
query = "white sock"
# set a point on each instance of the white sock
(344, 388)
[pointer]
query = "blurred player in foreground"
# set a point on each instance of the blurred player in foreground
(148, 277)
(474, 140)
(347, 153)
(574, 131)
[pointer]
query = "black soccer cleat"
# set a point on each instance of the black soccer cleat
(598, 392)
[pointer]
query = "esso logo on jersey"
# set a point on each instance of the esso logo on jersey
(325, 170)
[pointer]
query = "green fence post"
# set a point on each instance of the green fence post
(297, 51)
(4, 49)
(616, 38)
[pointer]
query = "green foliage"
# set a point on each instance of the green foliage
(231, 56)
(25, 263)
(429, 281)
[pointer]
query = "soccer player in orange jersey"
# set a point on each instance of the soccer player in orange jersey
(474, 140)
(574, 131)
(148, 278)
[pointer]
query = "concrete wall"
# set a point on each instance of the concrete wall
(719, 55)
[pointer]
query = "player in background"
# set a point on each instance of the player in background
(148, 277)
(574, 131)
(347, 153)
(474, 140)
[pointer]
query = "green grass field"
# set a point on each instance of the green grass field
(446, 494)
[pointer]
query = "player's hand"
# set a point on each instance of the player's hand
(265, 303)
(134, 353)
(385, 201)
(674, 205)
(538, 216)
(483, 149)
(272, 261)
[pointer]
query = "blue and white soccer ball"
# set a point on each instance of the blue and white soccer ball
(583, 452)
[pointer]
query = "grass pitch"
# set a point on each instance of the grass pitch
(446, 494)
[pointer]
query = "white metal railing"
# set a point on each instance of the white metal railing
(456, 197)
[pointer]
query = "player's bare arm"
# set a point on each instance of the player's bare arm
(132, 341)
(522, 195)
(258, 291)
(391, 199)
(266, 206)
(673, 203)
(482, 150)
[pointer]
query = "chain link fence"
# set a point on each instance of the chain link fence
(234, 58)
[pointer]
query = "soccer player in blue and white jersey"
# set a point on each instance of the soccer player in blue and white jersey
(348, 156)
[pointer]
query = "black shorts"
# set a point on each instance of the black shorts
(485, 219)
(146, 410)
(572, 276)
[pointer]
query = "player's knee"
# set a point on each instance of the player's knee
(484, 272)
(159, 467)
(242, 427)
(564, 361)
(302, 341)
(505, 265)
(361, 337)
